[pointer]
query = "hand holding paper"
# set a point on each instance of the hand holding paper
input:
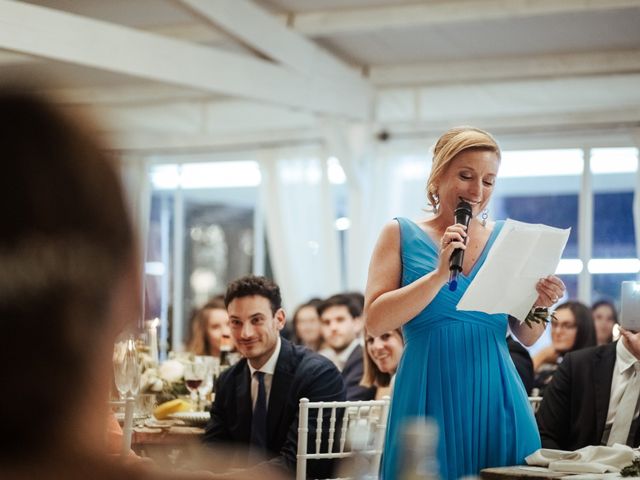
(521, 255)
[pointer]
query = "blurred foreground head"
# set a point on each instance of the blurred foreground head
(68, 279)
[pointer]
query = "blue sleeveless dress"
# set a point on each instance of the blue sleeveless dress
(457, 370)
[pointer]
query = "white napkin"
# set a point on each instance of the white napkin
(591, 459)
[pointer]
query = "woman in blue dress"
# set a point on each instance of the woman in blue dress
(456, 367)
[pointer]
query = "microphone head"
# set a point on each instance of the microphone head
(463, 208)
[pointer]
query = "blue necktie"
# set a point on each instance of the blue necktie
(259, 418)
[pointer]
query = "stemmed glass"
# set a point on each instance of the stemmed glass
(126, 368)
(120, 369)
(213, 364)
(194, 375)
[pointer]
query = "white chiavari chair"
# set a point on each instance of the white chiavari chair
(342, 430)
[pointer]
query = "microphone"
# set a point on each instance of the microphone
(463, 215)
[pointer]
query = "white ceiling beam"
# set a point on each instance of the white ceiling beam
(128, 95)
(525, 124)
(368, 19)
(265, 33)
(56, 35)
(474, 70)
(161, 143)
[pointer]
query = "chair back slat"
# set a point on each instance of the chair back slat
(332, 429)
(303, 430)
(319, 430)
(343, 431)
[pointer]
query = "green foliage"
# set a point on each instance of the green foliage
(538, 315)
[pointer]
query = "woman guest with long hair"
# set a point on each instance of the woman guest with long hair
(382, 355)
(306, 325)
(605, 318)
(571, 329)
(209, 328)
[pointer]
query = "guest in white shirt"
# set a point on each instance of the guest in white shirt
(593, 397)
(342, 324)
(257, 399)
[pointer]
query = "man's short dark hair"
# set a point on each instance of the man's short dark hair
(254, 285)
(341, 300)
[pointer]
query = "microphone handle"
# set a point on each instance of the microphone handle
(455, 266)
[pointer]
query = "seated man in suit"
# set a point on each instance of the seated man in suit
(341, 324)
(257, 399)
(585, 402)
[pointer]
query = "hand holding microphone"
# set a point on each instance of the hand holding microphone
(463, 214)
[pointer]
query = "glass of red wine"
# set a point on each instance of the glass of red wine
(194, 375)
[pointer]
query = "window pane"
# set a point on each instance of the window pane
(613, 232)
(555, 210)
(607, 286)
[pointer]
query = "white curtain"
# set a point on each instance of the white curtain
(300, 223)
(384, 180)
(636, 195)
(137, 188)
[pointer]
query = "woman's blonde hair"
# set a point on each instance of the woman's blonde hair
(450, 144)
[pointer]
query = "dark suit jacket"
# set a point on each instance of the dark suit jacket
(574, 407)
(299, 373)
(352, 374)
(522, 361)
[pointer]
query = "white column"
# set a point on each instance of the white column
(585, 228)
(636, 194)
(178, 265)
(165, 241)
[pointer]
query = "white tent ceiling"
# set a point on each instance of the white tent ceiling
(183, 74)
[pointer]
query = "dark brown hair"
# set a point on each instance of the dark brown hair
(585, 331)
(65, 241)
(254, 285)
(372, 375)
(341, 300)
(614, 311)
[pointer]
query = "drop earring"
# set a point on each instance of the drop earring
(484, 215)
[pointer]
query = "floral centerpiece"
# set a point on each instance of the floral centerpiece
(166, 380)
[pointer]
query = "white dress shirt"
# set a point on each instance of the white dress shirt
(340, 359)
(269, 369)
(622, 371)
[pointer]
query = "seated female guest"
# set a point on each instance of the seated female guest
(381, 358)
(572, 329)
(605, 317)
(306, 325)
(210, 325)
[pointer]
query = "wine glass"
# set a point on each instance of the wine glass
(194, 375)
(122, 380)
(213, 364)
(132, 367)
(126, 368)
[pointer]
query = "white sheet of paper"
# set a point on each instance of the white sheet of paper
(522, 254)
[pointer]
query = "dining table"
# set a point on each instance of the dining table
(520, 471)
(168, 445)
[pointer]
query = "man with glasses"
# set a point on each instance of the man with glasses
(593, 397)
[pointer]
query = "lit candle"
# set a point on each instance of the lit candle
(152, 333)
